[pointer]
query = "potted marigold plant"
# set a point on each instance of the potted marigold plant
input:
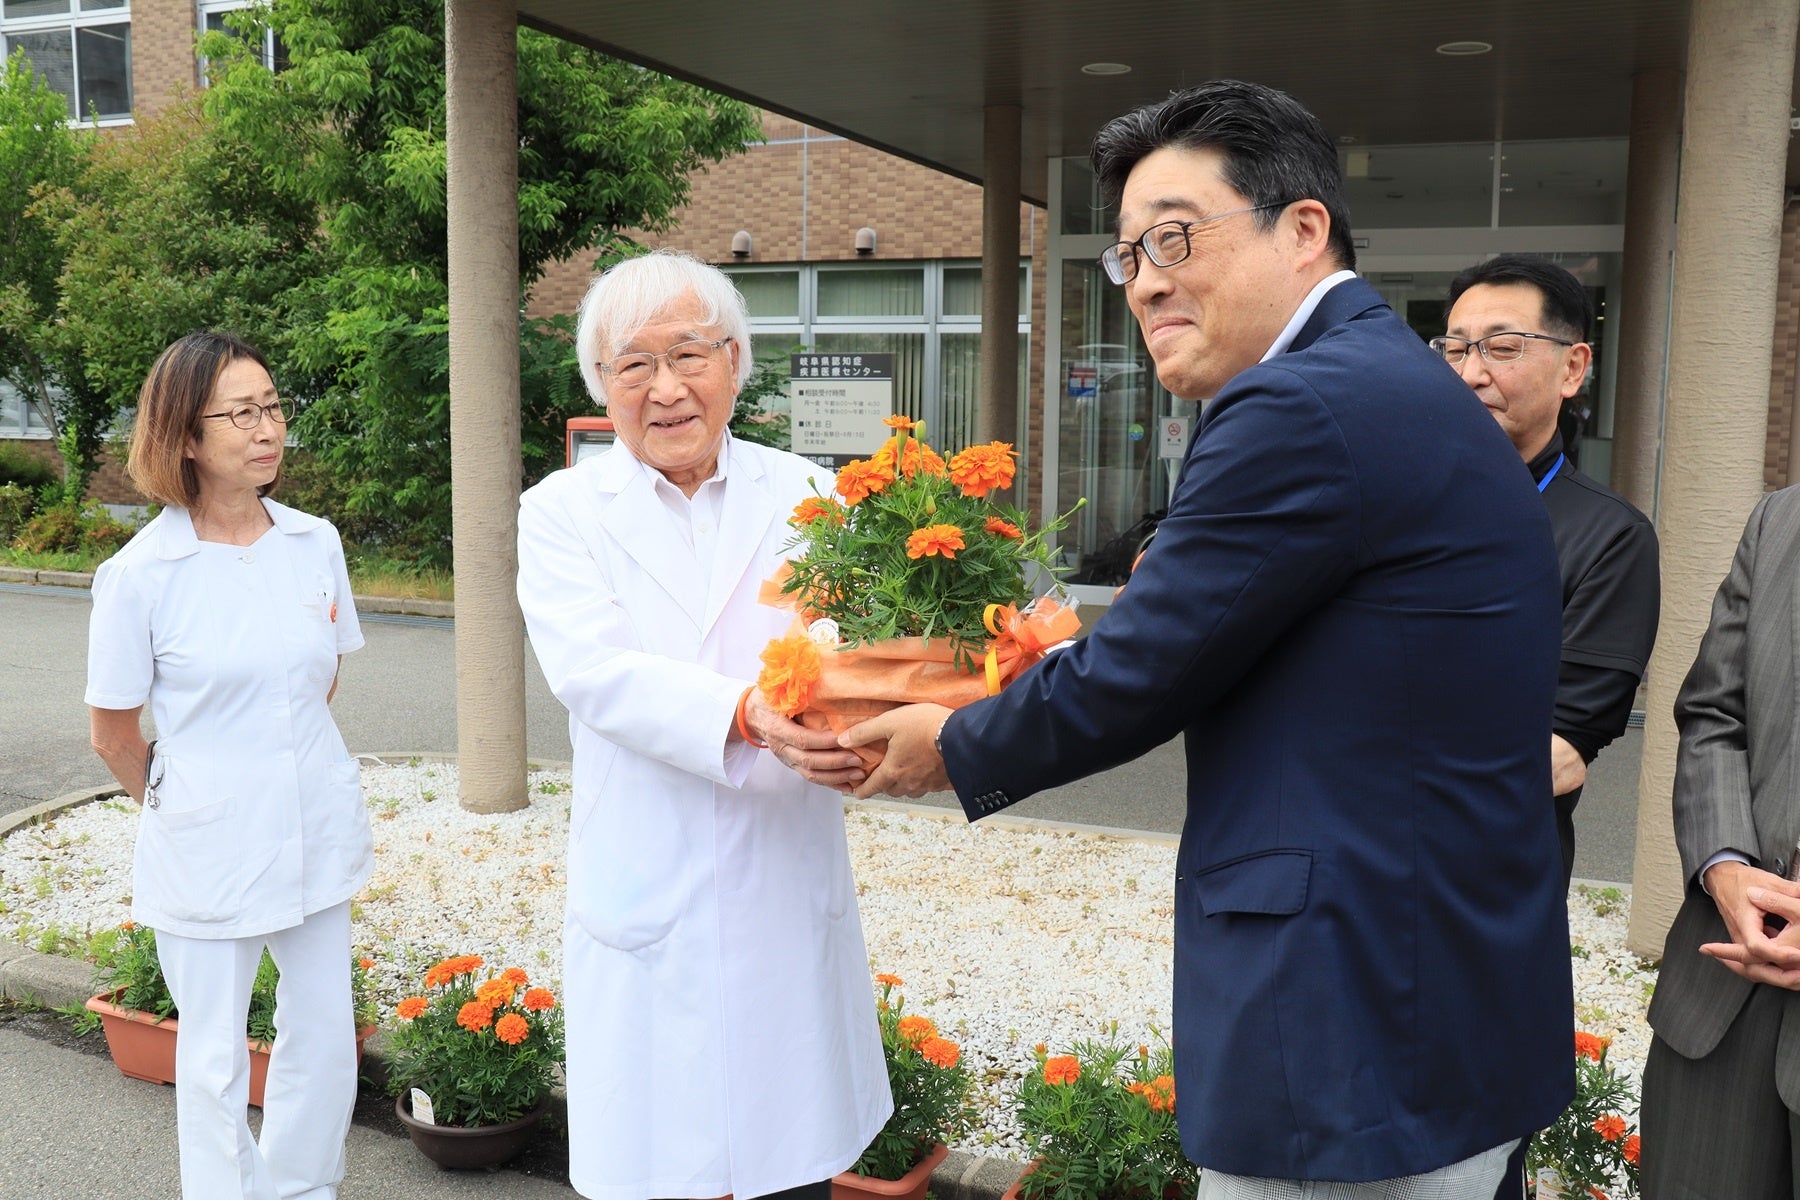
(473, 1062)
(135, 1011)
(931, 1105)
(1100, 1124)
(911, 582)
(1591, 1151)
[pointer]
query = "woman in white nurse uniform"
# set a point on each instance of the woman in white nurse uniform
(720, 1017)
(227, 613)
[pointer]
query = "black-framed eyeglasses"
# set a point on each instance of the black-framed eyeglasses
(685, 358)
(1503, 347)
(1164, 244)
(249, 416)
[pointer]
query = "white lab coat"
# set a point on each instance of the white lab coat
(259, 817)
(722, 1033)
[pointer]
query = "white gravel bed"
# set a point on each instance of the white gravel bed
(1004, 936)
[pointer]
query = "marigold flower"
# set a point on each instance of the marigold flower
(410, 1007)
(917, 1029)
(538, 1000)
(1162, 1093)
(515, 976)
(475, 1016)
(1005, 529)
(1610, 1127)
(816, 508)
(512, 1029)
(1064, 1068)
(1040, 1049)
(365, 963)
(495, 993)
(1631, 1149)
(858, 479)
(980, 469)
(915, 458)
(941, 1052)
(1590, 1045)
(898, 421)
(890, 980)
(127, 926)
(935, 539)
(790, 668)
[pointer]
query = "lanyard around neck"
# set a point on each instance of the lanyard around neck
(1550, 474)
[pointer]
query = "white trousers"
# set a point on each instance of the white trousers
(312, 1068)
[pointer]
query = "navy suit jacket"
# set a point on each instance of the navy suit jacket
(1352, 610)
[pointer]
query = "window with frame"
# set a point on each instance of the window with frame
(213, 19)
(18, 417)
(81, 48)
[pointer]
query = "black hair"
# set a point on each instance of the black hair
(1276, 152)
(1567, 310)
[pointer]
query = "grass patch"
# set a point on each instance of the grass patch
(32, 560)
(371, 576)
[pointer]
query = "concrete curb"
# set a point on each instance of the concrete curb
(30, 977)
(404, 605)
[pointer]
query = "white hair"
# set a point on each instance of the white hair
(630, 295)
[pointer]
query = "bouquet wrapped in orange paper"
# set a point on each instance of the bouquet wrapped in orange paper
(910, 583)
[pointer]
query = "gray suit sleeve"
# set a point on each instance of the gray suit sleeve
(1712, 767)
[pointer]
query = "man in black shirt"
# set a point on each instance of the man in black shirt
(1517, 332)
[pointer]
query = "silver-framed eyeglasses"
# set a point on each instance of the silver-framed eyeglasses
(1504, 347)
(1164, 244)
(685, 358)
(249, 416)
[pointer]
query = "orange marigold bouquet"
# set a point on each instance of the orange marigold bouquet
(1100, 1124)
(1592, 1150)
(485, 1050)
(912, 583)
(930, 1085)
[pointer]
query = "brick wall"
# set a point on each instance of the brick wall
(162, 52)
(108, 485)
(1784, 367)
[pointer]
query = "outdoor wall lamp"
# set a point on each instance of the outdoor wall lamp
(865, 240)
(740, 244)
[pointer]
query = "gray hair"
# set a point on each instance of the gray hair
(631, 294)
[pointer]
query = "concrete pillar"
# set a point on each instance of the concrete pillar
(481, 127)
(1641, 338)
(1740, 75)
(997, 418)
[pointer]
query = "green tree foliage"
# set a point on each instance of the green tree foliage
(355, 127)
(38, 150)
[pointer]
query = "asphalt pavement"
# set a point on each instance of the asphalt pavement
(71, 1125)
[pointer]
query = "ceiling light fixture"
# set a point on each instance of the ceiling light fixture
(1465, 49)
(1106, 68)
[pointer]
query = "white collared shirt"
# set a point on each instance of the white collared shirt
(1304, 313)
(696, 517)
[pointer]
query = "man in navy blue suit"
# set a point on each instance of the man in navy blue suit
(1352, 612)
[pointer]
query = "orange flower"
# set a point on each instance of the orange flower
(980, 469)
(790, 668)
(128, 926)
(890, 980)
(512, 1029)
(858, 480)
(941, 1053)
(452, 968)
(410, 1007)
(1005, 529)
(935, 539)
(1159, 1093)
(916, 457)
(1589, 1045)
(1143, 1052)
(495, 993)
(515, 976)
(475, 1016)
(816, 508)
(1062, 1069)
(365, 963)
(1040, 1049)
(1610, 1127)
(916, 1030)
(897, 421)
(1631, 1149)
(538, 999)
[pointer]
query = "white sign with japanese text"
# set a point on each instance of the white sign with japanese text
(838, 403)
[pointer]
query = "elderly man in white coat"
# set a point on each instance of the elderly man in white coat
(721, 1022)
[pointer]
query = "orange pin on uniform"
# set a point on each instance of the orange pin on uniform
(334, 612)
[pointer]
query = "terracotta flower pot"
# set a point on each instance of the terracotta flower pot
(1012, 1192)
(475, 1147)
(144, 1048)
(848, 1185)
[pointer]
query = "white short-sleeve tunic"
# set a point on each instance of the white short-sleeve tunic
(259, 818)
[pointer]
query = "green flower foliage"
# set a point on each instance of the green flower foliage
(1591, 1146)
(1100, 1124)
(930, 1087)
(483, 1057)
